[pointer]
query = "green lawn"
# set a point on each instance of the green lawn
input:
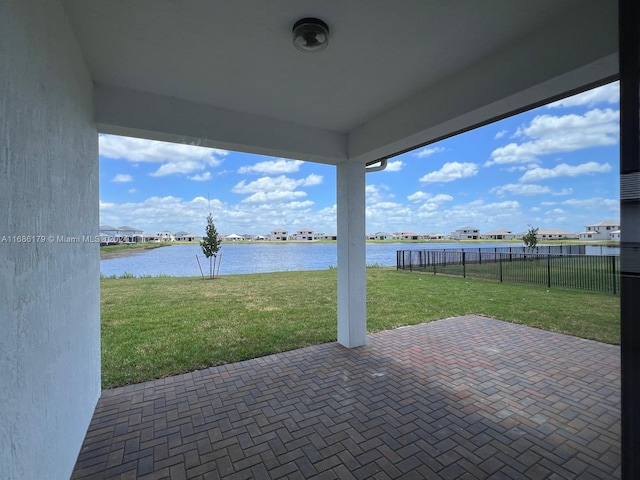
(154, 327)
(586, 272)
(132, 246)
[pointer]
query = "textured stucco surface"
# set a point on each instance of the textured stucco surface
(49, 290)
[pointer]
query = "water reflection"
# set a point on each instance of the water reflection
(180, 260)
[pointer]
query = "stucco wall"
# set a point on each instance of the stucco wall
(49, 290)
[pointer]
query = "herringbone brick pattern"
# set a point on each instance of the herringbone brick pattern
(461, 398)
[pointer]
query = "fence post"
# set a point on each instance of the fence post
(613, 273)
(500, 268)
(548, 270)
(433, 257)
(464, 267)
(479, 256)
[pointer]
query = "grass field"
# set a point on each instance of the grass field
(155, 327)
(131, 246)
(586, 272)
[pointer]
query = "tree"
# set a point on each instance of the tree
(530, 239)
(211, 245)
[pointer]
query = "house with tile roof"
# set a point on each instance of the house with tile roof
(600, 231)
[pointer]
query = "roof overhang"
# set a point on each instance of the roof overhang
(395, 76)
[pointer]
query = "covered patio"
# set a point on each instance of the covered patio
(227, 75)
(460, 398)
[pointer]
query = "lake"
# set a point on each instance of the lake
(180, 260)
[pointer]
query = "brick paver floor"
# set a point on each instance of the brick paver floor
(460, 398)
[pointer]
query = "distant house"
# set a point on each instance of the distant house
(409, 236)
(187, 237)
(600, 231)
(109, 235)
(466, 233)
(382, 236)
(150, 237)
(499, 235)
(233, 238)
(331, 236)
(130, 234)
(304, 234)
(166, 236)
(615, 235)
(278, 235)
(555, 234)
(433, 236)
(124, 234)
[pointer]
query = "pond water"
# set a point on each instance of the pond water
(180, 260)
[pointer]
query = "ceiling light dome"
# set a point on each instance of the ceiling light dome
(310, 35)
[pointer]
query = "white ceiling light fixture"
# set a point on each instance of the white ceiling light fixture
(310, 35)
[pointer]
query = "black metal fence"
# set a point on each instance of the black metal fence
(586, 272)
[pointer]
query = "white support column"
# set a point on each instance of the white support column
(352, 295)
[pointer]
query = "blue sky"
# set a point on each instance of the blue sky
(556, 166)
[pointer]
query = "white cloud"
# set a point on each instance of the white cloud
(519, 168)
(527, 189)
(140, 150)
(273, 167)
(554, 134)
(174, 214)
(175, 158)
(394, 166)
(274, 196)
(183, 167)
(564, 170)
(476, 213)
(572, 214)
(500, 134)
(312, 180)
(158, 213)
(132, 190)
(435, 203)
(605, 94)
(201, 177)
(422, 196)
(451, 171)
(272, 184)
(275, 190)
(519, 189)
(593, 203)
(428, 151)
(377, 193)
(387, 216)
(555, 212)
(418, 196)
(122, 178)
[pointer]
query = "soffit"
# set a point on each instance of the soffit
(237, 56)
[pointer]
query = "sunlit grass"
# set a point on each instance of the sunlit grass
(155, 327)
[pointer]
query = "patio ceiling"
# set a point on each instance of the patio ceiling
(395, 75)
